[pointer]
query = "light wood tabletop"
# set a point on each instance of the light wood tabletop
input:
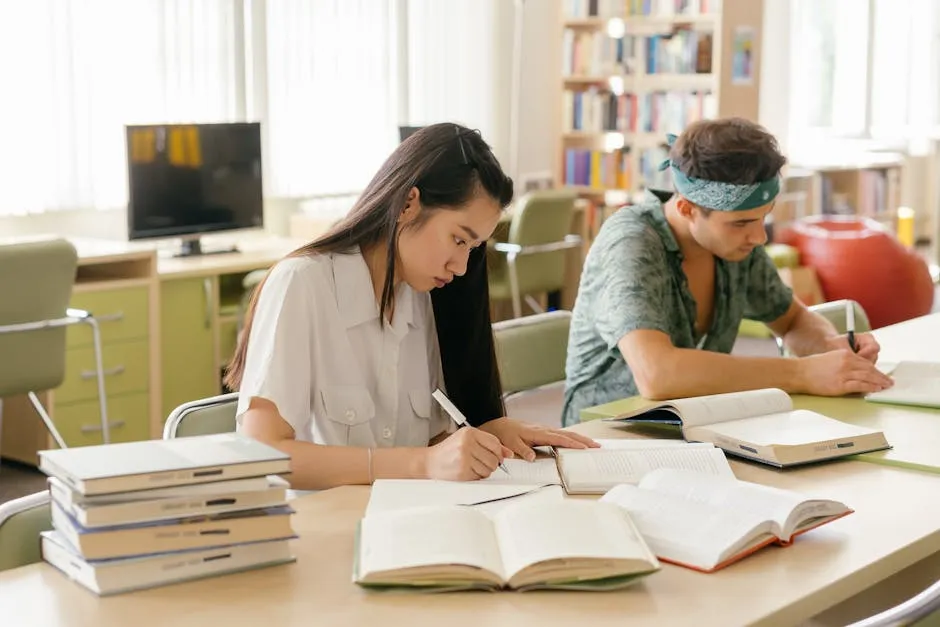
(895, 525)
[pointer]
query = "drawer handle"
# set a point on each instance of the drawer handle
(114, 317)
(108, 372)
(114, 424)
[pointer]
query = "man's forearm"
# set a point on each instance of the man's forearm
(683, 372)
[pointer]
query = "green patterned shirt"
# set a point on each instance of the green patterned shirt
(633, 279)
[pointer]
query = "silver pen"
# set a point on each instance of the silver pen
(456, 415)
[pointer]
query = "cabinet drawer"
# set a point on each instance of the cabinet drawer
(128, 418)
(228, 339)
(126, 369)
(122, 314)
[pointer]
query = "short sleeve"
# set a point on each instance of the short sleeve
(633, 282)
(278, 363)
(768, 297)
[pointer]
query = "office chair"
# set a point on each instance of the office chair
(534, 257)
(21, 520)
(38, 277)
(215, 414)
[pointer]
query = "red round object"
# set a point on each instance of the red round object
(857, 258)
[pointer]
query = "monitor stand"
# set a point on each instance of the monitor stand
(193, 248)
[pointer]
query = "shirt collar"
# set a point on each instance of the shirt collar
(653, 208)
(355, 297)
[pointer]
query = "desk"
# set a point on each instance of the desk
(774, 587)
(912, 431)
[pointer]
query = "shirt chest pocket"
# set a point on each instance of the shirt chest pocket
(419, 431)
(348, 411)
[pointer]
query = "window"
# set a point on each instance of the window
(863, 69)
(330, 80)
(75, 72)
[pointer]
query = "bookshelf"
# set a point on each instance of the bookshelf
(635, 70)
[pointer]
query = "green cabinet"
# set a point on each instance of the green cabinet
(188, 347)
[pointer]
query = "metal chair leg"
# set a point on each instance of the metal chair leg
(46, 419)
(514, 285)
(99, 371)
(534, 304)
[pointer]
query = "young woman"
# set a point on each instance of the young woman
(346, 338)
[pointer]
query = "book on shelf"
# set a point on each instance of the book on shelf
(706, 523)
(178, 534)
(916, 383)
(596, 470)
(223, 498)
(760, 425)
(527, 546)
(148, 464)
(106, 577)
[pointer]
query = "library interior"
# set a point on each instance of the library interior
(639, 303)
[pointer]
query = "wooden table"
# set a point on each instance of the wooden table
(894, 526)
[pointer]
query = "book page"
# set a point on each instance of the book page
(542, 471)
(689, 532)
(706, 410)
(740, 497)
(791, 428)
(915, 383)
(392, 494)
(428, 536)
(647, 443)
(604, 468)
(570, 529)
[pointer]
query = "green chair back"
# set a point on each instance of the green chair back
(215, 414)
(542, 217)
(21, 520)
(834, 312)
(531, 350)
(36, 279)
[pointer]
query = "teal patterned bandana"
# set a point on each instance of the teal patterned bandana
(721, 196)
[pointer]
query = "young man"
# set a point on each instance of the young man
(666, 284)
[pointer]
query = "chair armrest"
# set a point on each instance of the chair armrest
(79, 314)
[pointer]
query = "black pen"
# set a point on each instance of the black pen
(850, 324)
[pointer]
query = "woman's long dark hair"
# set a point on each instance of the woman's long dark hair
(448, 164)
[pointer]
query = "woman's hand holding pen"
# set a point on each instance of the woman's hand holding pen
(465, 455)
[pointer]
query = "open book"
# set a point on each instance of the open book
(570, 544)
(705, 522)
(915, 383)
(596, 470)
(760, 425)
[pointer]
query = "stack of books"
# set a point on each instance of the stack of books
(142, 514)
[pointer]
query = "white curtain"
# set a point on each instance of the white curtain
(75, 71)
(458, 65)
(331, 94)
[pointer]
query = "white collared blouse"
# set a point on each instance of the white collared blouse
(317, 351)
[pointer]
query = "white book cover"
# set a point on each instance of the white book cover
(147, 464)
(224, 499)
(123, 575)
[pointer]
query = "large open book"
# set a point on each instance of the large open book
(915, 383)
(760, 425)
(570, 544)
(706, 523)
(594, 471)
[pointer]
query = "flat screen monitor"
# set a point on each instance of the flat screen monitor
(404, 132)
(189, 179)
